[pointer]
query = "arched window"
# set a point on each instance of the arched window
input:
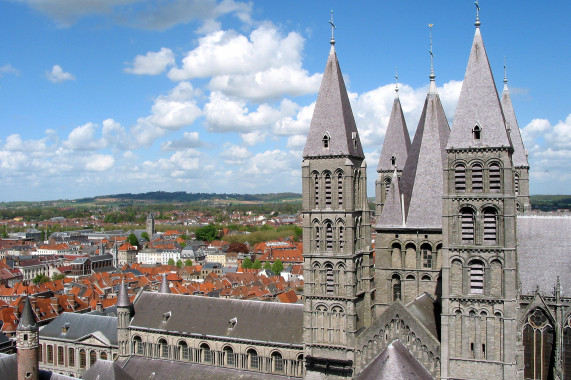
(137, 345)
(316, 189)
(163, 348)
(426, 278)
(70, 357)
(317, 237)
(50, 354)
(460, 178)
(490, 226)
(325, 141)
(477, 277)
(387, 186)
(467, 221)
(341, 237)
(82, 359)
(328, 196)
(329, 237)
(92, 358)
(329, 280)
(253, 359)
(393, 160)
(340, 189)
(426, 251)
(496, 278)
(183, 350)
(60, 355)
(277, 362)
(477, 178)
(477, 133)
(230, 356)
(538, 346)
(103, 356)
(516, 184)
(396, 287)
(495, 178)
(205, 353)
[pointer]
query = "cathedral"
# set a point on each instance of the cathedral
(463, 282)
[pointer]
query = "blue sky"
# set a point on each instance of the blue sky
(216, 96)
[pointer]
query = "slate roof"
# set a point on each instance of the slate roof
(478, 104)
(544, 253)
(28, 320)
(164, 285)
(395, 363)
(108, 370)
(81, 325)
(422, 181)
(146, 368)
(519, 156)
(256, 321)
(123, 296)
(391, 215)
(333, 116)
(425, 310)
(397, 140)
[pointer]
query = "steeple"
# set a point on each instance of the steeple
(27, 320)
(123, 296)
(519, 156)
(333, 132)
(27, 343)
(479, 120)
(165, 285)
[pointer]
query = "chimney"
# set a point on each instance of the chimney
(99, 306)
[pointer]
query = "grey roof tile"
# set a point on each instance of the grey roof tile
(391, 215)
(397, 140)
(123, 296)
(519, 156)
(256, 320)
(424, 308)
(478, 104)
(108, 370)
(81, 325)
(165, 285)
(333, 116)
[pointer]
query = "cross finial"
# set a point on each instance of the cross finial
(477, 23)
(432, 76)
(333, 27)
(397, 80)
(505, 72)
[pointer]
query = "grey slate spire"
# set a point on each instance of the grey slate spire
(478, 105)
(397, 140)
(519, 155)
(27, 320)
(164, 285)
(123, 296)
(392, 214)
(421, 181)
(332, 117)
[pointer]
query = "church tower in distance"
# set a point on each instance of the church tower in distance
(479, 271)
(125, 311)
(338, 263)
(27, 344)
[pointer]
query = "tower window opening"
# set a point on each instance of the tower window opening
(387, 186)
(396, 288)
(328, 191)
(495, 185)
(477, 133)
(325, 141)
(467, 221)
(316, 190)
(340, 189)
(317, 238)
(477, 179)
(341, 238)
(329, 280)
(516, 184)
(460, 178)
(490, 235)
(393, 160)
(329, 236)
(477, 277)
(426, 256)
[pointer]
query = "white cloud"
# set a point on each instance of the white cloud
(253, 138)
(176, 109)
(534, 129)
(8, 69)
(152, 63)
(288, 125)
(14, 143)
(188, 140)
(235, 155)
(560, 135)
(57, 75)
(83, 138)
(99, 162)
(296, 142)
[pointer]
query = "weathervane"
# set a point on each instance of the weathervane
(397, 80)
(432, 76)
(477, 23)
(505, 72)
(333, 27)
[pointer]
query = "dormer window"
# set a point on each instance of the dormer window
(325, 140)
(477, 133)
(393, 160)
(166, 316)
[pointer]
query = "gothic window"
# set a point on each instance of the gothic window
(340, 189)
(477, 178)
(328, 190)
(328, 237)
(253, 359)
(317, 238)
(50, 354)
(82, 359)
(325, 141)
(516, 184)
(476, 277)
(490, 226)
(387, 186)
(183, 350)
(460, 178)
(329, 280)
(230, 356)
(60, 355)
(426, 252)
(477, 133)
(341, 238)
(495, 177)
(278, 362)
(538, 346)
(205, 352)
(71, 357)
(163, 348)
(92, 358)
(396, 284)
(316, 189)
(138, 345)
(467, 222)
(396, 256)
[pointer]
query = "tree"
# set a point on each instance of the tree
(238, 247)
(267, 227)
(188, 263)
(179, 263)
(206, 233)
(58, 276)
(171, 261)
(132, 239)
(267, 265)
(277, 267)
(145, 235)
(40, 279)
(247, 263)
(257, 264)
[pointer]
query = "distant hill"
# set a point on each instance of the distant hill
(550, 202)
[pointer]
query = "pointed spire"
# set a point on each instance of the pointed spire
(432, 88)
(123, 296)
(519, 156)
(165, 285)
(392, 214)
(27, 319)
(478, 105)
(396, 145)
(333, 131)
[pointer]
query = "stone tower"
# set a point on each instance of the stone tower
(394, 153)
(125, 311)
(479, 271)
(519, 157)
(27, 342)
(150, 225)
(338, 265)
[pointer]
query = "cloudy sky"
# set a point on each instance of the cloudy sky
(114, 96)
